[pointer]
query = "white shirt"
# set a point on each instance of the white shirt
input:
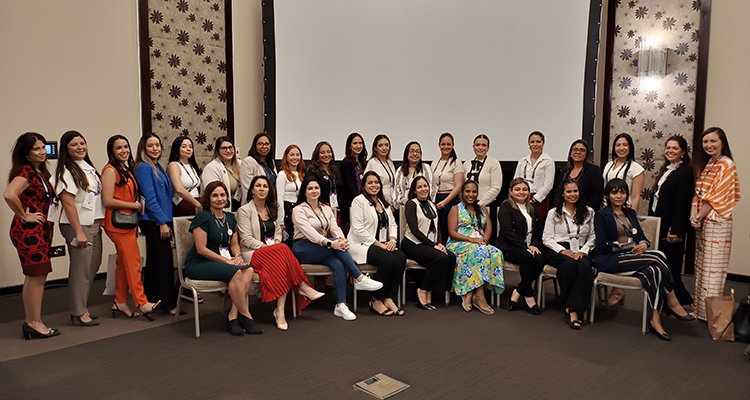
(189, 179)
(444, 172)
(540, 176)
(286, 190)
(556, 230)
(619, 172)
(529, 222)
(387, 173)
(670, 168)
(403, 183)
(85, 216)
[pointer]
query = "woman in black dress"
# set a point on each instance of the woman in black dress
(352, 169)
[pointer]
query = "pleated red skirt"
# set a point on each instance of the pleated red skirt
(279, 271)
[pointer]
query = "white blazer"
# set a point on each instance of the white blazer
(403, 184)
(217, 171)
(364, 225)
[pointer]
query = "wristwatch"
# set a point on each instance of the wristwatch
(329, 244)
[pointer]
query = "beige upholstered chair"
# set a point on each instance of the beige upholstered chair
(651, 227)
(310, 270)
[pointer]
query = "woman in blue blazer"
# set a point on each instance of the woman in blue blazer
(156, 222)
(621, 249)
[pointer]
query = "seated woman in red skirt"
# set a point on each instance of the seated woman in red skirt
(260, 236)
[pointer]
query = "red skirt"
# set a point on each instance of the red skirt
(279, 271)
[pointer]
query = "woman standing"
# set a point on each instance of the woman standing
(259, 161)
(287, 188)
(216, 256)
(185, 174)
(717, 190)
(29, 195)
(477, 261)
(225, 168)
(588, 175)
(421, 244)
(672, 192)
(324, 170)
(314, 224)
(380, 162)
(373, 241)
(156, 223)
(411, 168)
(449, 176)
(623, 166)
(120, 194)
(79, 188)
(520, 239)
(538, 169)
(621, 248)
(352, 170)
(488, 175)
(568, 239)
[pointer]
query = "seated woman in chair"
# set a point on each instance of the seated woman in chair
(621, 248)
(216, 256)
(421, 242)
(372, 236)
(477, 261)
(568, 238)
(260, 235)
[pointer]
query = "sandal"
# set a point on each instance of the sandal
(572, 323)
(384, 313)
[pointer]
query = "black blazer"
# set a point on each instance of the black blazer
(607, 246)
(590, 185)
(349, 192)
(675, 198)
(513, 228)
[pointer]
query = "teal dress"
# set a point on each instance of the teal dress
(199, 267)
(475, 263)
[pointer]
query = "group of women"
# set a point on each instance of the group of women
(349, 215)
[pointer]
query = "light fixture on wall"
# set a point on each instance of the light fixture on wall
(652, 61)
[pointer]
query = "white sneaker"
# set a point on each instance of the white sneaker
(367, 284)
(344, 312)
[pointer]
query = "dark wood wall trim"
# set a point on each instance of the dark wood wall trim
(589, 81)
(228, 51)
(269, 69)
(607, 110)
(145, 66)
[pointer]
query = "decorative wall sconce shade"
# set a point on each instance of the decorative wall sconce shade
(652, 61)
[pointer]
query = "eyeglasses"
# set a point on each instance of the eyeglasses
(263, 144)
(578, 150)
(412, 151)
(225, 148)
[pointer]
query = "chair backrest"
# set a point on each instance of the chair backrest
(183, 242)
(401, 223)
(651, 227)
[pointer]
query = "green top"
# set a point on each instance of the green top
(219, 235)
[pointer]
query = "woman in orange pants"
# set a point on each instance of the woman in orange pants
(119, 191)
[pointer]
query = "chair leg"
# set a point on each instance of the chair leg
(354, 294)
(294, 303)
(197, 313)
(593, 303)
(224, 300)
(556, 287)
(645, 312)
(403, 288)
(447, 297)
(540, 290)
(179, 303)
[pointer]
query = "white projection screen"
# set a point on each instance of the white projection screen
(412, 69)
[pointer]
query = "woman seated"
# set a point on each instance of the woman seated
(421, 243)
(373, 235)
(260, 233)
(621, 248)
(319, 240)
(568, 238)
(520, 237)
(477, 261)
(216, 256)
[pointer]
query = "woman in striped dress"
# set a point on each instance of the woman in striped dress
(717, 190)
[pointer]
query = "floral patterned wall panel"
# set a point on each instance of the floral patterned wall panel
(188, 62)
(653, 109)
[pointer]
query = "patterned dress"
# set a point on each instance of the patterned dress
(718, 185)
(32, 240)
(475, 263)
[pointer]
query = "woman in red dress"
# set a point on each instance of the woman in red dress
(29, 194)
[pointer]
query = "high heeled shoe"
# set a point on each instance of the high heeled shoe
(234, 328)
(117, 310)
(77, 319)
(146, 314)
(670, 311)
(663, 336)
(31, 333)
(316, 296)
(283, 326)
(249, 325)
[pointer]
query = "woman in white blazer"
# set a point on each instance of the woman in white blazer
(380, 162)
(488, 175)
(225, 168)
(373, 240)
(538, 170)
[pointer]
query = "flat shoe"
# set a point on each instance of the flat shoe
(483, 310)
(574, 324)
(424, 306)
(465, 304)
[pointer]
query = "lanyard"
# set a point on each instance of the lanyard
(325, 226)
(47, 194)
(567, 226)
(388, 171)
(443, 169)
(194, 181)
(221, 224)
(533, 171)
(628, 229)
(621, 168)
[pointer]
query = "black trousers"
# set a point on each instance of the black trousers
(288, 225)
(439, 266)
(675, 252)
(391, 265)
(158, 280)
(575, 279)
(531, 267)
(443, 216)
(492, 208)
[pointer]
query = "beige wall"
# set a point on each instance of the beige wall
(727, 104)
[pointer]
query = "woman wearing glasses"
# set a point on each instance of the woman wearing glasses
(259, 161)
(225, 168)
(411, 168)
(588, 175)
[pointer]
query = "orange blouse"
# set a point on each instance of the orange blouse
(124, 193)
(719, 185)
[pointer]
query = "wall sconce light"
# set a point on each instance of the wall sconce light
(652, 61)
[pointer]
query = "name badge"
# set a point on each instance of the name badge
(52, 211)
(431, 236)
(383, 234)
(334, 200)
(269, 241)
(575, 246)
(229, 232)
(176, 199)
(634, 231)
(89, 202)
(530, 181)
(224, 252)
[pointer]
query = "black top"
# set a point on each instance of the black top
(590, 185)
(513, 228)
(382, 224)
(267, 229)
(674, 202)
(350, 188)
(325, 186)
(410, 212)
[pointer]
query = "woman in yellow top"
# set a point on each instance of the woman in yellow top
(717, 190)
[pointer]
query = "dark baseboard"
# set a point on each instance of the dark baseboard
(13, 290)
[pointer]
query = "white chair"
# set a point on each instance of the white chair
(651, 227)
(184, 242)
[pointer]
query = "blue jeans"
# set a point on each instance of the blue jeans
(340, 262)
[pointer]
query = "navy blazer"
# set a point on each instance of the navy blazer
(513, 228)
(157, 189)
(675, 198)
(607, 246)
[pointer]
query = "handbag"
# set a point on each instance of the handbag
(719, 312)
(742, 321)
(121, 220)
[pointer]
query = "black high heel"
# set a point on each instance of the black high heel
(663, 336)
(234, 328)
(117, 310)
(153, 308)
(249, 325)
(31, 333)
(77, 319)
(686, 318)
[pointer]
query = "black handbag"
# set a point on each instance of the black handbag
(121, 220)
(742, 322)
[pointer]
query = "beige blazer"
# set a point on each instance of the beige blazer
(216, 171)
(249, 169)
(248, 227)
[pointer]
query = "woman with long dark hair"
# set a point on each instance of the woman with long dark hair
(380, 162)
(324, 170)
(156, 223)
(672, 194)
(225, 168)
(287, 188)
(185, 174)
(624, 166)
(259, 161)
(79, 188)
(717, 191)
(29, 195)
(487, 173)
(120, 193)
(352, 169)
(449, 176)
(587, 174)
(411, 168)
(568, 239)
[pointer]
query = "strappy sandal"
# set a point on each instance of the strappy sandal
(384, 313)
